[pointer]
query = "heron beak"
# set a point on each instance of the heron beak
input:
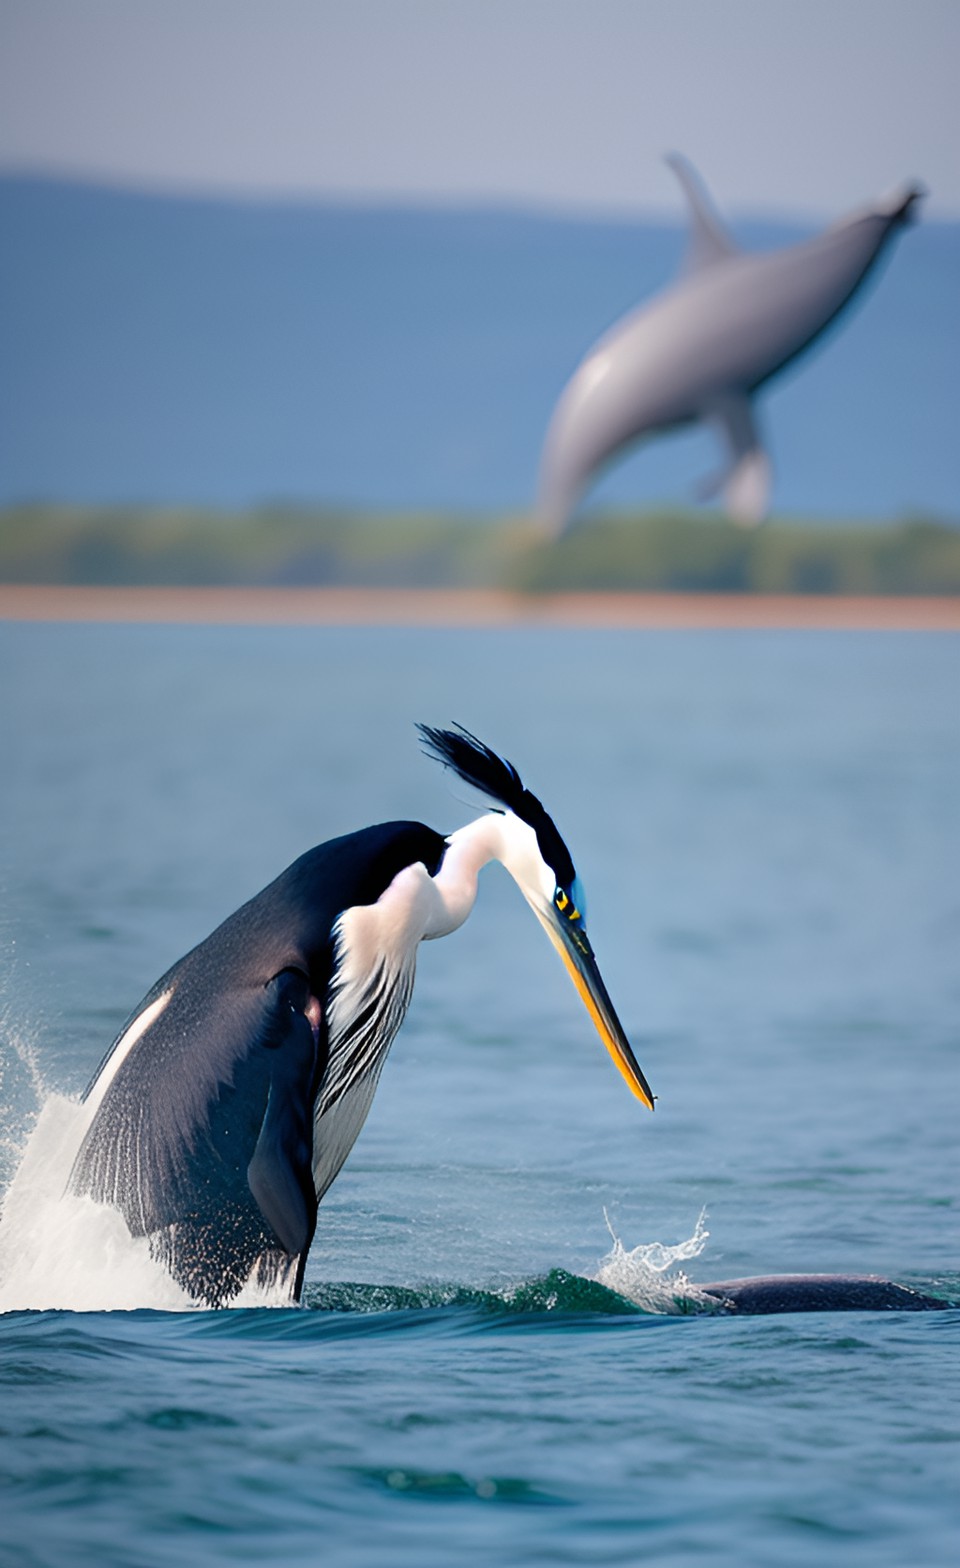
(571, 943)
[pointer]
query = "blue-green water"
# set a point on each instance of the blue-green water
(768, 831)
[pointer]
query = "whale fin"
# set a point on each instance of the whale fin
(709, 241)
(746, 481)
(279, 1174)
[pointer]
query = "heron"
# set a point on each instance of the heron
(235, 1091)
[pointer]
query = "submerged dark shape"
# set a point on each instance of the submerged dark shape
(236, 1090)
(700, 350)
(774, 1293)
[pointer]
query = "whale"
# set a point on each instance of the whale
(770, 1294)
(699, 351)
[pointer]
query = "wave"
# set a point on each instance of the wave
(557, 1292)
(555, 1303)
(64, 1252)
(61, 1252)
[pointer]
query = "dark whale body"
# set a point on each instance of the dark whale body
(773, 1293)
(202, 1112)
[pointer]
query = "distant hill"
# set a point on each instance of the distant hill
(160, 350)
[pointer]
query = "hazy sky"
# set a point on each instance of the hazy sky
(804, 106)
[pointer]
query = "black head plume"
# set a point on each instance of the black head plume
(497, 778)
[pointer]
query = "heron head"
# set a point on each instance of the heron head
(533, 851)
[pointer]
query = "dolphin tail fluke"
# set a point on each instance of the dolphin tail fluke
(553, 513)
(746, 482)
(709, 240)
(746, 492)
(554, 508)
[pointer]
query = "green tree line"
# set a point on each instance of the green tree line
(304, 546)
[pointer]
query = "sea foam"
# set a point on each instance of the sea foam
(648, 1274)
(58, 1250)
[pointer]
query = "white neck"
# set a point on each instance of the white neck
(496, 836)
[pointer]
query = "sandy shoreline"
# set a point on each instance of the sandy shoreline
(475, 607)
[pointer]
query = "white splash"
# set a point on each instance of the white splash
(643, 1274)
(22, 1089)
(59, 1251)
(62, 1251)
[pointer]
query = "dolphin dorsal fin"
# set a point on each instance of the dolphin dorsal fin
(709, 241)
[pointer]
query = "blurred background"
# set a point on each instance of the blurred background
(288, 290)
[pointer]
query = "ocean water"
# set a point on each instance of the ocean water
(502, 1356)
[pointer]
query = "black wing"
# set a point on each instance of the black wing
(202, 1136)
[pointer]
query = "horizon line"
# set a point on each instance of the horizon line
(667, 215)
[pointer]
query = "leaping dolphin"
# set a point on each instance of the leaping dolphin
(702, 348)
